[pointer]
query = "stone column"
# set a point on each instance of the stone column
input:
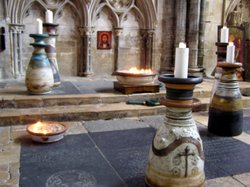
(193, 34)
(16, 31)
(181, 21)
(201, 44)
(168, 35)
(118, 32)
(147, 53)
(85, 67)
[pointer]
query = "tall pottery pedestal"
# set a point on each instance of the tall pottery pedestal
(51, 51)
(226, 109)
(176, 157)
(39, 76)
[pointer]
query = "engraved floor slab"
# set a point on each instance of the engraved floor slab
(95, 86)
(64, 88)
(74, 161)
(110, 158)
(246, 126)
(127, 152)
(2, 84)
(224, 156)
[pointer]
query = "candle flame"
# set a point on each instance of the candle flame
(182, 45)
(39, 127)
(134, 70)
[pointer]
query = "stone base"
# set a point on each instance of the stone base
(129, 89)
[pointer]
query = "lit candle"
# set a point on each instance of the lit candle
(39, 26)
(49, 16)
(181, 61)
(224, 32)
(230, 52)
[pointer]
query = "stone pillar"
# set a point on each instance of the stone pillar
(201, 35)
(168, 35)
(118, 32)
(181, 21)
(85, 67)
(16, 31)
(193, 34)
(147, 53)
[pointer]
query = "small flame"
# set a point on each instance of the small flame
(134, 70)
(39, 127)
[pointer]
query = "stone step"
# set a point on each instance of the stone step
(13, 116)
(23, 109)
(105, 111)
(36, 101)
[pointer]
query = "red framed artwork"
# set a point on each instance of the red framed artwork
(104, 39)
(237, 36)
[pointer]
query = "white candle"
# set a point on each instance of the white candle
(39, 26)
(224, 33)
(181, 61)
(230, 52)
(49, 16)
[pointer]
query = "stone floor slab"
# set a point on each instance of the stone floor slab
(114, 125)
(243, 178)
(224, 182)
(127, 151)
(66, 87)
(74, 161)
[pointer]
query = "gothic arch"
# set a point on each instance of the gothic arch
(114, 17)
(149, 12)
(87, 11)
(231, 7)
(138, 13)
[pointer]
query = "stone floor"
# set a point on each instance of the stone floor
(12, 137)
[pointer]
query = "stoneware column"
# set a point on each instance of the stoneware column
(85, 68)
(39, 75)
(221, 57)
(176, 157)
(226, 109)
(51, 51)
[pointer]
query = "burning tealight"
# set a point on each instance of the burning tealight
(134, 70)
(46, 132)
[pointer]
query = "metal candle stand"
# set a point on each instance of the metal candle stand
(226, 109)
(176, 156)
(39, 76)
(51, 51)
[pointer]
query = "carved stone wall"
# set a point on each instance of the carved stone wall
(143, 34)
(79, 21)
(68, 42)
(5, 67)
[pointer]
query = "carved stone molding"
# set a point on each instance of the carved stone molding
(120, 5)
(146, 33)
(118, 31)
(86, 31)
(16, 28)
